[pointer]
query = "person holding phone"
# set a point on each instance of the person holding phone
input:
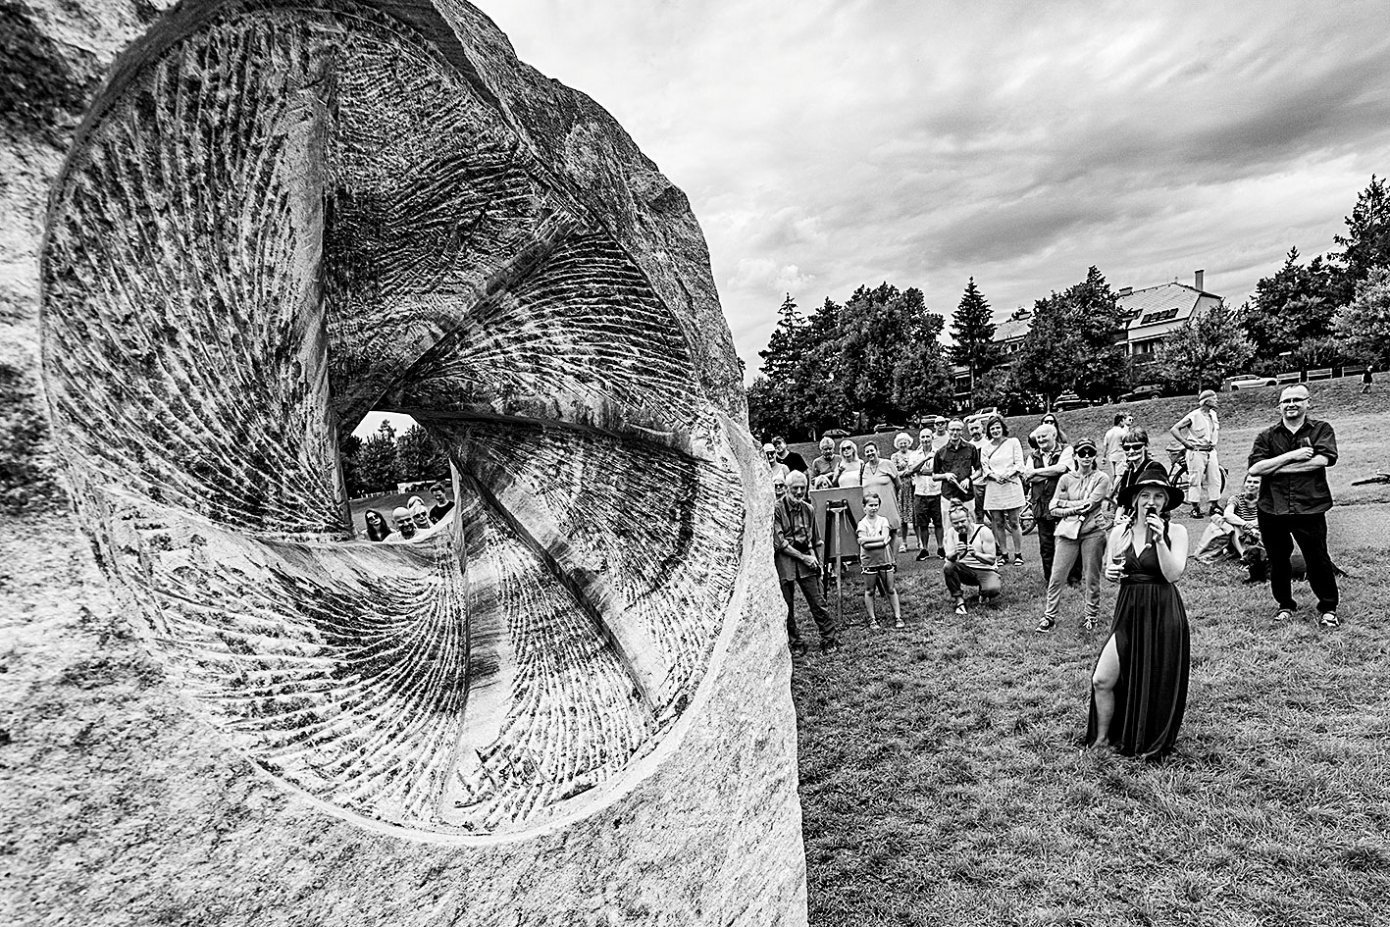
(1139, 685)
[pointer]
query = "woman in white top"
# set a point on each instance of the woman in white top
(1002, 461)
(848, 469)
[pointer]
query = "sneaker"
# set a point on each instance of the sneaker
(902, 547)
(1283, 614)
(1329, 620)
(873, 625)
(798, 649)
(1047, 624)
(1089, 624)
(899, 624)
(923, 554)
(1001, 562)
(1197, 512)
(941, 552)
(960, 608)
(830, 646)
(1018, 560)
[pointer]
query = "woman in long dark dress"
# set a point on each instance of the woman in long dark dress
(1139, 687)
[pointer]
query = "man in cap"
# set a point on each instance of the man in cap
(1199, 431)
(1291, 458)
(795, 541)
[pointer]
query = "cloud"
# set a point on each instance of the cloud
(826, 144)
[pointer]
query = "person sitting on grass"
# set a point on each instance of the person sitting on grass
(876, 557)
(1242, 514)
(970, 559)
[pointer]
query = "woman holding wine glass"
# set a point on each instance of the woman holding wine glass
(1139, 686)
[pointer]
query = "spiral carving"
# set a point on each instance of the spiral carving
(279, 216)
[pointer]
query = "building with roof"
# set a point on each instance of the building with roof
(1153, 314)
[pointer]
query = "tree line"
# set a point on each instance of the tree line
(879, 357)
(385, 459)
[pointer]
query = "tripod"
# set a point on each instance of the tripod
(836, 512)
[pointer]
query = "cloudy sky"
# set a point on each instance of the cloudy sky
(827, 144)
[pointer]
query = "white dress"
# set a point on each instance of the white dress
(1007, 458)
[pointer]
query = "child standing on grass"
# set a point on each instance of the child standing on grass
(876, 556)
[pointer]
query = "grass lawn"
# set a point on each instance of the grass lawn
(943, 783)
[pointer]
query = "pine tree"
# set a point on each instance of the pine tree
(1363, 326)
(972, 327)
(1074, 343)
(1366, 245)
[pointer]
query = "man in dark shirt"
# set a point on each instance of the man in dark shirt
(790, 459)
(444, 502)
(1292, 458)
(957, 466)
(795, 541)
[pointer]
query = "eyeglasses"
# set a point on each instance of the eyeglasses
(1133, 445)
(1292, 399)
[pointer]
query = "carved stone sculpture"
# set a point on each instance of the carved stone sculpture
(279, 216)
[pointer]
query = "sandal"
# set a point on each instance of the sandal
(1018, 560)
(899, 624)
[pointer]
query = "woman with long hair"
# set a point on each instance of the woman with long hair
(849, 468)
(1001, 459)
(1078, 504)
(377, 528)
(1139, 685)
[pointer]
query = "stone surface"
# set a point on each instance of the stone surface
(569, 708)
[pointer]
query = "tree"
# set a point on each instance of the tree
(377, 461)
(1205, 350)
(891, 363)
(419, 457)
(1292, 308)
(1366, 245)
(349, 447)
(799, 391)
(1075, 343)
(1363, 326)
(972, 327)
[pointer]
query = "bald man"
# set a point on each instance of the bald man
(1291, 458)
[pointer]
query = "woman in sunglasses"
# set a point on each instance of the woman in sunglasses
(1137, 465)
(1080, 533)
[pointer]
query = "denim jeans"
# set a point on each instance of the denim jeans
(1090, 547)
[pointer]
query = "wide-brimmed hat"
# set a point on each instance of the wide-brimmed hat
(1175, 496)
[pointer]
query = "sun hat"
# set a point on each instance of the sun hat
(1125, 499)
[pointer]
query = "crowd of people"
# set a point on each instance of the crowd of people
(1101, 509)
(412, 521)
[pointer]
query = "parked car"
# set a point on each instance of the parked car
(1068, 401)
(1143, 391)
(884, 427)
(986, 412)
(1250, 381)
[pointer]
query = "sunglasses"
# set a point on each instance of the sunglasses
(1085, 452)
(1133, 445)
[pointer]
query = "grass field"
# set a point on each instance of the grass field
(943, 783)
